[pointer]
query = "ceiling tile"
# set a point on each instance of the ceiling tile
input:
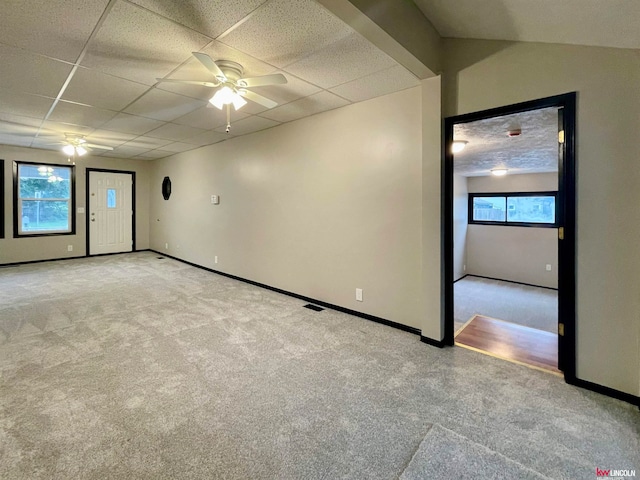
(124, 122)
(24, 104)
(210, 17)
(100, 90)
(172, 131)
(283, 31)
(209, 118)
(20, 120)
(153, 154)
(249, 125)
(29, 73)
(148, 143)
(19, 141)
(207, 138)
(138, 45)
(306, 106)
(124, 151)
(178, 147)
(162, 105)
(50, 128)
(377, 84)
(18, 134)
(50, 27)
(343, 61)
(80, 114)
(112, 139)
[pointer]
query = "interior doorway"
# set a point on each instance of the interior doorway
(489, 191)
(111, 211)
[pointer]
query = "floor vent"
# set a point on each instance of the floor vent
(315, 308)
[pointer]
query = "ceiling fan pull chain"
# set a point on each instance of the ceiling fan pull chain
(228, 117)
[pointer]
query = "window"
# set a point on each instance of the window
(525, 209)
(43, 199)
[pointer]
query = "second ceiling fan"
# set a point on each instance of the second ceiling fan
(232, 87)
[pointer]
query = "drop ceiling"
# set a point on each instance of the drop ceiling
(489, 146)
(89, 67)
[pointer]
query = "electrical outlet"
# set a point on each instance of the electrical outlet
(166, 246)
(215, 199)
(69, 248)
(215, 259)
(548, 267)
(359, 294)
(464, 268)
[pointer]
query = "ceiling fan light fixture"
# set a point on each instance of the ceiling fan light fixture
(499, 172)
(80, 150)
(238, 102)
(458, 145)
(224, 96)
(68, 149)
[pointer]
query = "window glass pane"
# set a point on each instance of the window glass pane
(489, 209)
(111, 198)
(42, 181)
(45, 215)
(540, 209)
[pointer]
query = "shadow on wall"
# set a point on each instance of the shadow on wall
(453, 65)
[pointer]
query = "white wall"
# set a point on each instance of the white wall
(484, 74)
(460, 223)
(14, 250)
(519, 254)
(318, 207)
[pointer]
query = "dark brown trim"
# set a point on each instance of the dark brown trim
(506, 222)
(565, 205)
(2, 194)
(331, 306)
(508, 281)
(432, 342)
(16, 229)
(609, 392)
(28, 262)
(133, 206)
(464, 276)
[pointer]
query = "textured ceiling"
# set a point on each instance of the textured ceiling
(90, 66)
(534, 151)
(610, 23)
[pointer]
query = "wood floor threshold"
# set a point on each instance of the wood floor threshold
(518, 344)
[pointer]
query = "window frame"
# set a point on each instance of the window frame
(2, 194)
(506, 196)
(16, 200)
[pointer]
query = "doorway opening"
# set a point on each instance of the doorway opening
(111, 212)
(509, 232)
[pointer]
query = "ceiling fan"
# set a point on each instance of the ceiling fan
(233, 88)
(77, 145)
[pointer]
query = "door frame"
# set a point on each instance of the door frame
(87, 213)
(566, 213)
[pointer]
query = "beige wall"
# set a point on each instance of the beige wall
(486, 74)
(318, 207)
(460, 223)
(13, 250)
(519, 254)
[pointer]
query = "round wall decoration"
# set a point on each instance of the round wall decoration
(166, 188)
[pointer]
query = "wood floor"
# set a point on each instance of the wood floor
(512, 342)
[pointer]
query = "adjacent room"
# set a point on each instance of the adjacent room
(223, 240)
(506, 236)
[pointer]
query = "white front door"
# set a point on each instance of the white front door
(110, 212)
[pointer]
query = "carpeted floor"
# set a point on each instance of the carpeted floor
(533, 307)
(133, 367)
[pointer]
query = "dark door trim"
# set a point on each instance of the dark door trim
(566, 211)
(133, 205)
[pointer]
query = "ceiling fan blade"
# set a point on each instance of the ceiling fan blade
(189, 82)
(274, 79)
(210, 65)
(254, 97)
(101, 147)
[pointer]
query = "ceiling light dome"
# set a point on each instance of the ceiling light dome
(458, 145)
(499, 172)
